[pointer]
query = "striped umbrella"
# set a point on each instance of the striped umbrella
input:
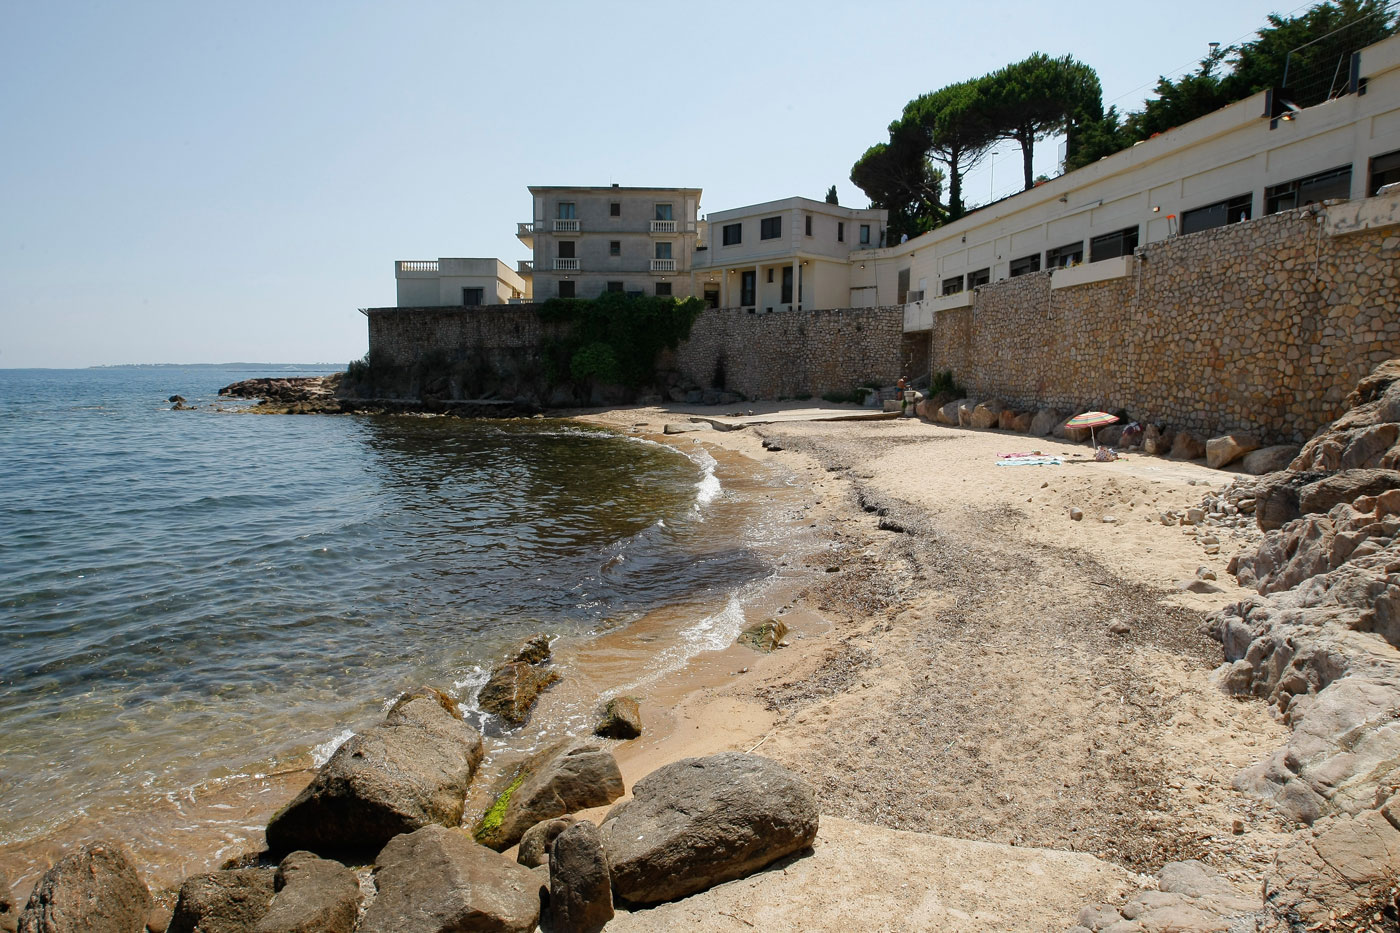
(1091, 420)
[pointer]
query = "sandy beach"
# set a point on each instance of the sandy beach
(1007, 713)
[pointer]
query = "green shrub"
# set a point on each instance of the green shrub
(614, 338)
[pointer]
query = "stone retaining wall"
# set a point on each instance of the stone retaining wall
(1259, 327)
(403, 336)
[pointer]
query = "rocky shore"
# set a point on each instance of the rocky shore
(1133, 696)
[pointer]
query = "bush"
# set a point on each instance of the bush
(615, 338)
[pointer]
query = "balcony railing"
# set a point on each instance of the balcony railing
(663, 265)
(566, 226)
(524, 229)
(915, 295)
(566, 265)
(525, 266)
(663, 226)
(424, 265)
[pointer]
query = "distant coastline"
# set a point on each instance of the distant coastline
(280, 367)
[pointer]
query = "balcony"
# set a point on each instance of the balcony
(663, 265)
(526, 233)
(566, 265)
(566, 226)
(663, 226)
(525, 266)
(416, 265)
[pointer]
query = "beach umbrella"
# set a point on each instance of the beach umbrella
(1091, 420)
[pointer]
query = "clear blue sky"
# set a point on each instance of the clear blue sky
(203, 182)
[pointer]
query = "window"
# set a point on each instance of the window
(1385, 170)
(1111, 245)
(663, 249)
(663, 212)
(953, 285)
(770, 228)
(566, 288)
(565, 211)
(808, 219)
(566, 249)
(748, 287)
(980, 277)
(615, 209)
(614, 286)
(770, 276)
(471, 297)
(1304, 191)
(901, 287)
(614, 247)
(1240, 207)
(711, 297)
(865, 234)
(840, 231)
(663, 289)
(733, 234)
(1025, 264)
(786, 297)
(1062, 257)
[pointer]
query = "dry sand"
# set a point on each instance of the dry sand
(987, 753)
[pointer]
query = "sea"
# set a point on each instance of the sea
(197, 606)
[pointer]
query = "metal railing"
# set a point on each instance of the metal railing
(566, 265)
(418, 265)
(663, 226)
(663, 265)
(566, 226)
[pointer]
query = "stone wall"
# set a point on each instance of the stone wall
(1259, 327)
(403, 336)
(792, 353)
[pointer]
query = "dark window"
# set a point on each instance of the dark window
(787, 286)
(840, 231)
(808, 218)
(614, 286)
(1064, 256)
(1385, 170)
(865, 234)
(733, 234)
(1304, 191)
(980, 277)
(770, 276)
(711, 297)
(471, 297)
(1110, 245)
(615, 209)
(901, 287)
(1025, 264)
(566, 288)
(663, 212)
(748, 287)
(566, 249)
(614, 247)
(1210, 216)
(663, 289)
(953, 285)
(770, 228)
(565, 211)
(663, 249)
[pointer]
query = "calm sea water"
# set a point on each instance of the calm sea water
(189, 596)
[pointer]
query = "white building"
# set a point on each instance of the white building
(437, 283)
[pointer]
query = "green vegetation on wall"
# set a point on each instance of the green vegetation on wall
(614, 339)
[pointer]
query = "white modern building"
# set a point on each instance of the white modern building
(435, 283)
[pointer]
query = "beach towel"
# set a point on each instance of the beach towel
(1029, 461)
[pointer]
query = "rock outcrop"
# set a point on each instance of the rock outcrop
(407, 772)
(1190, 898)
(230, 901)
(1365, 437)
(437, 880)
(560, 779)
(701, 821)
(95, 890)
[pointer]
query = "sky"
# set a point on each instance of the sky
(212, 181)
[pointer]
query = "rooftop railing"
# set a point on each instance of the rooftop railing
(417, 265)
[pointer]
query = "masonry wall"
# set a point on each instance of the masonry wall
(1259, 327)
(791, 353)
(402, 336)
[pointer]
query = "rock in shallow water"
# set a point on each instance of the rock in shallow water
(95, 890)
(621, 719)
(223, 901)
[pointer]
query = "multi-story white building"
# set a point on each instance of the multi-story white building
(793, 254)
(587, 241)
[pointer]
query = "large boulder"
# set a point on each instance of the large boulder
(1268, 459)
(407, 772)
(1226, 449)
(534, 847)
(560, 779)
(1187, 446)
(987, 414)
(1065, 431)
(580, 885)
(314, 895)
(512, 690)
(1347, 486)
(701, 821)
(437, 880)
(230, 901)
(1045, 422)
(1157, 440)
(94, 890)
(1021, 422)
(621, 719)
(965, 409)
